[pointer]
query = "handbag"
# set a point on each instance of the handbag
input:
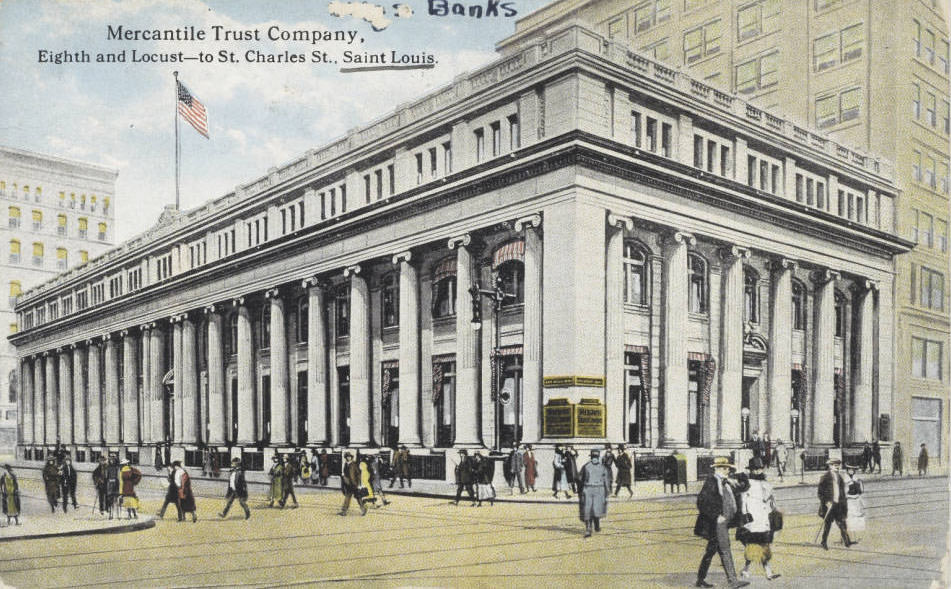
(362, 492)
(775, 520)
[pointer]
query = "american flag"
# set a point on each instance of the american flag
(192, 110)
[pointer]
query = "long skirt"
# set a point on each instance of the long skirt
(855, 521)
(484, 491)
(759, 553)
(130, 502)
(561, 481)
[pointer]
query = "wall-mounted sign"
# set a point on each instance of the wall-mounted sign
(558, 419)
(590, 419)
(554, 382)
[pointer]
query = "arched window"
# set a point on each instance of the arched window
(303, 319)
(342, 311)
(391, 300)
(697, 270)
(840, 316)
(636, 283)
(444, 288)
(231, 335)
(750, 295)
(512, 280)
(798, 305)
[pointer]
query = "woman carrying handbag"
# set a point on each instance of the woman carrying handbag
(759, 518)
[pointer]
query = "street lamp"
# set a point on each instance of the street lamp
(794, 426)
(498, 296)
(745, 413)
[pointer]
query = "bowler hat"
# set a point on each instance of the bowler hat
(833, 461)
(722, 462)
(463, 452)
(595, 452)
(755, 463)
(235, 461)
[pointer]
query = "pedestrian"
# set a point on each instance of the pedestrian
(484, 471)
(305, 471)
(514, 470)
(759, 446)
(67, 482)
(290, 472)
(624, 468)
(112, 486)
(206, 463)
(401, 467)
(877, 455)
(780, 457)
(531, 467)
(99, 482)
(571, 467)
(159, 465)
(237, 489)
(898, 460)
(51, 482)
(277, 480)
(465, 477)
(350, 485)
(833, 503)
(314, 467)
(559, 479)
(366, 482)
(130, 477)
(10, 494)
(186, 499)
(923, 461)
(866, 457)
(767, 449)
(608, 461)
(756, 532)
(595, 486)
(171, 496)
(855, 497)
(324, 470)
(717, 506)
(375, 464)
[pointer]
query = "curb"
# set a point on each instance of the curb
(133, 527)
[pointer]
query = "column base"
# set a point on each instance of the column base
(731, 444)
(673, 444)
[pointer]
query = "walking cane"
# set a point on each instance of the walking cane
(822, 526)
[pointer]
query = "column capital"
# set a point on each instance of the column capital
(237, 302)
(679, 236)
(870, 285)
(123, 333)
(272, 293)
(620, 222)
(351, 270)
(106, 337)
(146, 327)
(91, 342)
(315, 282)
(729, 252)
(461, 241)
(825, 275)
(534, 220)
(211, 309)
(73, 346)
(780, 264)
(403, 257)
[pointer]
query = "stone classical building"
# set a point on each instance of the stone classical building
(680, 268)
(59, 213)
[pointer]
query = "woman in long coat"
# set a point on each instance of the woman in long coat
(51, 481)
(185, 496)
(366, 481)
(594, 486)
(277, 480)
(531, 467)
(559, 480)
(624, 466)
(571, 467)
(129, 477)
(10, 494)
(756, 534)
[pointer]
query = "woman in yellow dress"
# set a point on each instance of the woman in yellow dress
(129, 477)
(365, 482)
(10, 494)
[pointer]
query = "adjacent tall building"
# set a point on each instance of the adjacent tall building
(869, 73)
(59, 213)
(573, 244)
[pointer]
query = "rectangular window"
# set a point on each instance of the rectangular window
(702, 41)
(915, 100)
(323, 206)
(651, 136)
(826, 51)
(711, 154)
(853, 39)
(800, 193)
(850, 104)
(446, 159)
(820, 195)
(916, 166)
(366, 188)
(724, 160)
(514, 139)
(343, 204)
(496, 138)
(636, 127)
(916, 38)
(925, 227)
(757, 74)
(946, 117)
(929, 46)
(929, 176)
(480, 144)
(391, 174)
(943, 57)
(834, 109)
(930, 110)
(651, 13)
(665, 140)
(941, 235)
(433, 169)
(757, 19)
(419, 168)
(751, 171)
(763, 175)
(378, 175)
(926, 358)
(698, 151)
(810, 191)
(333, 207)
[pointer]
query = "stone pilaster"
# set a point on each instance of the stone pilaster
(532, 329)
(823, 398)
(409, 390)
(467, 349)
(862, 418)
(94, 353)
(731, 348)
(65, 396)
(675, 339)
(278, 360)
(615, 405)
(780, 349)
(316, 362)
(245, 409)
(217, 432)
(79, 394)
(359, 357)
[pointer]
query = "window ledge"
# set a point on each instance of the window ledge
(637, 308)
(704, 316)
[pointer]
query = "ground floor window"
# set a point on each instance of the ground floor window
(390, 402)
(637, 389)
(302, 408)
(444, 400)
(798, 404)
(694, 382)
(838, 421)
(265, 436)
(510, 400)
(926, 425)
(343, 396)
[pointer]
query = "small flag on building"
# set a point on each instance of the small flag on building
(192, 110)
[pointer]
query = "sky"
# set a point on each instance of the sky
(122, 115)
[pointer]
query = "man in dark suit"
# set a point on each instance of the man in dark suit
(350, 484)
(465, 477)
(833, 505)
(67, 481)
(237, 489)
(718, 508)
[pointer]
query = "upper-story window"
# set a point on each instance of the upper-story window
(231, 335)
(62, 258)
(419, 168)
(758, 73)
(927, 357)
(15, 290)
(659, 50)
(82, 299)
(480, 144)
(115, 286)
(264, 325)
(798, 305)
(378, 176)
(390, 309)
(391, 175)
(37, 253)
(14, 217)
(750, 295)
(61, 225)
(134, 278)
(702, 41)
(651, 13)
(697, 283)
(102, 231)
(98, 293)
(839, 47)
(496, 138)
(14, 251)
(342, 311)
(83, 227)
(303, 319)
(757, 19)
(163, 267)
(838, 108)
(511, 276)
(367, 188)
(446, 160)
(444, 288)
(636, 273)
(514, 138)
(840, 314)
(83, 256)
(37, 220)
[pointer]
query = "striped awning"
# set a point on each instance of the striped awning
(513, 250)
(444, 268)
(636, 349)
(797, 366)
(698, 356)
(510, 351)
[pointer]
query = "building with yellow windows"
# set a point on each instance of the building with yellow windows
(58, 213)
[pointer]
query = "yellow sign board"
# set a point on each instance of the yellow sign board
(554, 382)
(558, 419)
(590, 419)
(563, 419)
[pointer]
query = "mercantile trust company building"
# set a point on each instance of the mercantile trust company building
(680, 269)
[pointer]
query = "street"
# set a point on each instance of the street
(428, 542)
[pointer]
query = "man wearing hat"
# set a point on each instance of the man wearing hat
(350, 484)
(833, 503)
(401, 467)
(51, 482)
(99, 481)
(67, 481)
(594, 484)
(237, 489)
(718, 506)
(465, 476)
(112, 485)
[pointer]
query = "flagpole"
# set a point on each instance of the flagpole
(178, 147)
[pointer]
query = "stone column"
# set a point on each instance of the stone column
(862, 419)
(675, 339)
(823, 398)
(157, 366)
(467, 349)
(52, 398)
(130, 390)
(217, 432)
(27, 410)
(532, 329)
(245, 375)
(614, 327)
(316, 362)
(359, 358)
(39, 387)
(145, 396)
(731, 347)
(79, 395)
(885, 338)
(189, 399)
(780, 349)
(94, 394)
(409, 391)
(278, 359)
(178, 379)
(65, 396)
(110, 409)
